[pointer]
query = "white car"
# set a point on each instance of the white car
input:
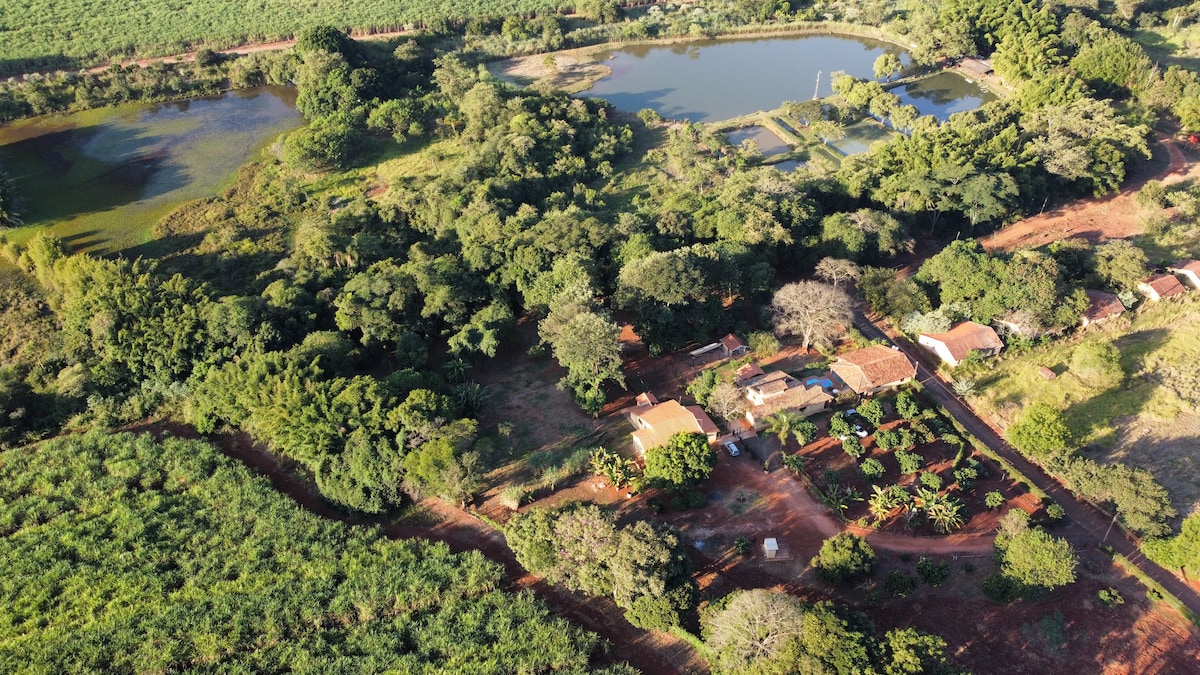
(732, 448)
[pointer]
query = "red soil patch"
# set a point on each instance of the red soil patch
(1113, 217)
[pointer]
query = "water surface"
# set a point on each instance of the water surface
(100, 179)
(711, 80)
(768, 143)
(943, 94)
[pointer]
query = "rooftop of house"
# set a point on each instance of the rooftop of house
(965, 337)
(731, 342)
(1192, 266)
(1165, 285)
(748, 372)
(664, 420)
(1102, 305)
(878, 365)
(780, 391)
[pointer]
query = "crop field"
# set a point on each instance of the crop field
(41, 34)
(1149, 420)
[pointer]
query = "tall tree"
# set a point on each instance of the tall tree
(814, 311)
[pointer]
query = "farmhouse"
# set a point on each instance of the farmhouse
(657, 422)
(1161, 286)
(976, 67)
(771, 392)
(956, 344)
(733, 345)
(874, 369)
(1101, 306)
(1188, 271)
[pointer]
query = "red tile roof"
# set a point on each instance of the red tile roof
(865, 369)
(1192, 266)
(1102, 306)
(659, 423)
(967, 336)
(1164, 285)
(732, 343)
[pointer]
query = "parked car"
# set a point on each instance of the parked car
(732, 448)
(859, 430)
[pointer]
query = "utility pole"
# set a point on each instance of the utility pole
(1110, 527)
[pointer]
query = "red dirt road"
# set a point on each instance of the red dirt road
(651, 653)
(1113, 217)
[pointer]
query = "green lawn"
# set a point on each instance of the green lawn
(1162, 342)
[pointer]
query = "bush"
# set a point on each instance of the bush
(931, 480)
(853, 447)
(1097, 364)
(910, 462)
(907, 406)
(844, 557)
(993, 500)
(933, 572)
(838, 425)
(1040, 431)
(872, 411)
(763, 343)
(965, 477)
(1000, 588)
(871, 469)
(742, 545)
(1111, 597)
(1055, 511)
(900, 584)
(514, 496)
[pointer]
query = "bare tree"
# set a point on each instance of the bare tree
(837, 270)
(812, 310)
(726, 401)
(755, 629)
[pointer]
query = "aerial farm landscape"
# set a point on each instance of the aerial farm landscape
(725, 336)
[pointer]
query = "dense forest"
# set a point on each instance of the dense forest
(127, 555)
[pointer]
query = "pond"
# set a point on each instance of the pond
(943, 94)
(101, 179)
(767, 142)
(711, 80)
(860, 136)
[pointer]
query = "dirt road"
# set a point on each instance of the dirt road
(1088, 526)
(1113, 217)
(652, 653)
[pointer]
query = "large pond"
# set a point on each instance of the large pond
(712, 80)
(101, 179)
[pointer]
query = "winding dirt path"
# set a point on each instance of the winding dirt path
(1114, 217)
(652, 653)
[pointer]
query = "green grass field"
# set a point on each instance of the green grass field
(1149, 421)
(41, 34)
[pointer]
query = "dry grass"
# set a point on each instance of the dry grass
(1150, 420)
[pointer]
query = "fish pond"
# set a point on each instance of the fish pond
(101, 179)
(714, 80)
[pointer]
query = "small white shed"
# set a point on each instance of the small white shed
(770, 547)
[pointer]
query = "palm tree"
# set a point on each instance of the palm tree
(783, 424)
(472, 398)
(945, 514)
(880, 504)
(456, 370)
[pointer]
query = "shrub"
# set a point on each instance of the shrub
(931, 480)
(1000, 588)
(910, 462)
(514, 496)
(907, 406)
(763, 343)
(872, 411)
(844, 557)
(993, 500)
(900, 584)
(805, 432)
(1040, 431)
(649, 116)
(1055, 511)
(838, 426)
(853, 447)
(1111, 597)
(742, 545)
(871, 469)
(933, 572)
(965, 477)
(795, 463)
